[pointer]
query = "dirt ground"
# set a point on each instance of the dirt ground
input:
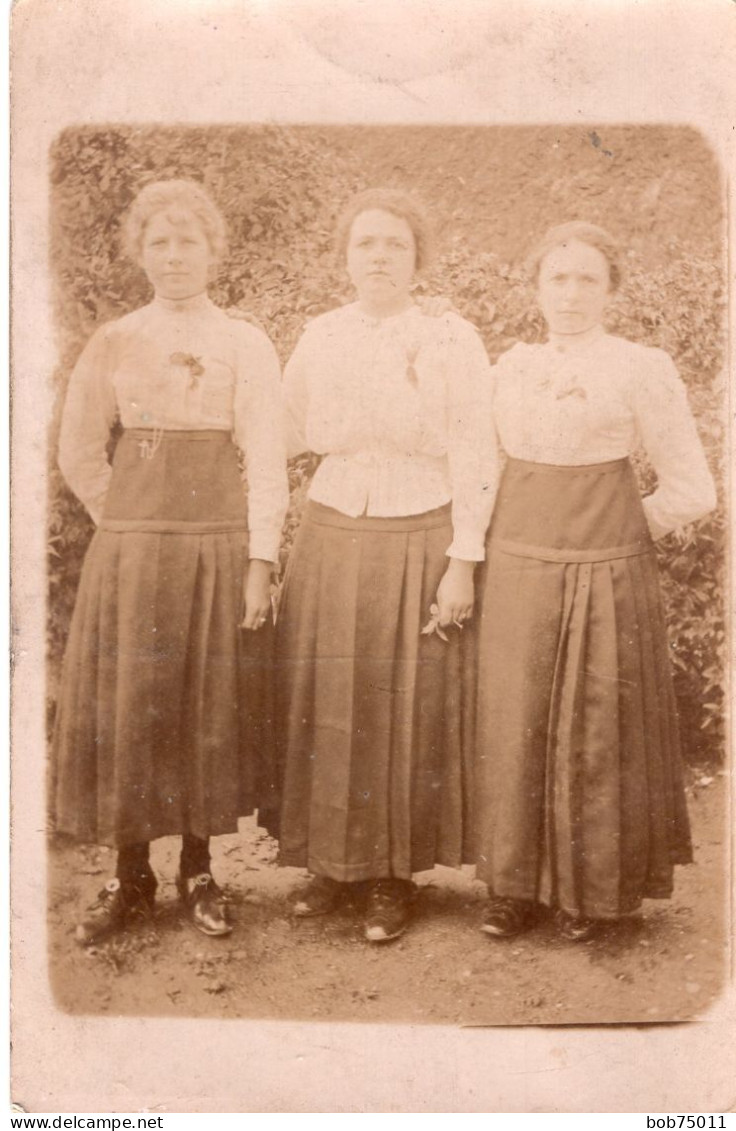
(670, 963)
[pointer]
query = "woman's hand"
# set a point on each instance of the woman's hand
(434, 306)
(456, 593)
(257, 594)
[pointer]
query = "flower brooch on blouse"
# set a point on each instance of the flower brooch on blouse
(412, 353)
(561, 382)
(568, 389)
(191, 363)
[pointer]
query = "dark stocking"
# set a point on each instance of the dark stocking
(133, 863)
(195, 855)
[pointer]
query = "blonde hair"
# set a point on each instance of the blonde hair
(168, 196)
(581, 232)
(398, 203)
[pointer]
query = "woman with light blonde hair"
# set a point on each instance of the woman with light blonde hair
(164, 716)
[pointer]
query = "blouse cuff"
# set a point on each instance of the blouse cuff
(467, 549)
(656, 529)
(264, 545)
(663, 519)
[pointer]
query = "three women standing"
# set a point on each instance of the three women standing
(165, 712)
(564, 784)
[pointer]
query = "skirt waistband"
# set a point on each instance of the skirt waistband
(168, 526)
(588, 513)
(323, 515)
(548, 554)
(175, 482)
(609, 467)
(178, 435)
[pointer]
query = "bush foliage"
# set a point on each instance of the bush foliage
(280, 188)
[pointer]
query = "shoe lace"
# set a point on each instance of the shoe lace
(510, 912)
(388, 893)
(204, 886)
(501, 903)
(573, 922)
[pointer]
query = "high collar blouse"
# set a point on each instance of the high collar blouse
(180, 365)
(400, 409)
(602, 401)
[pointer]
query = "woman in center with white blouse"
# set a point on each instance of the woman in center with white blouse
(376, 715)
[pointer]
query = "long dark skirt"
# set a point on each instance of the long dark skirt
(375, 718)
(165, 715)
(579, 795)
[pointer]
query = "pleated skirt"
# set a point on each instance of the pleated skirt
(165, 716)
(579, 793)
(375, 719)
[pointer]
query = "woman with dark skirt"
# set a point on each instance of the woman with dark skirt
(376, 715)
(165, 714)
(579, 793)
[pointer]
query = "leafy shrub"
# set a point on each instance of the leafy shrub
(279, 189)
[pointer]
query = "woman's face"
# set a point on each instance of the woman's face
(574, 287)
(381, 255)
(176, 254)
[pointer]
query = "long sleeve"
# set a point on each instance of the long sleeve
(89, 412)
(260, 433)
(472, 447)
(296, 398)
(685, 489)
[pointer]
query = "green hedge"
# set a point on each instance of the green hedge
(279, 189)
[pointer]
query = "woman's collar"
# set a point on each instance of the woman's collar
(386, 319)
(574, 345)
(189, 305)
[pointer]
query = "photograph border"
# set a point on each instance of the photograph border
(60, 1061)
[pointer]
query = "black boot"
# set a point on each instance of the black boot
(388, 912)
(202, 898)
(128, 897)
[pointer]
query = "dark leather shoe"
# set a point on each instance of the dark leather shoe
(321, 896)
(116, 907)
(388, 911)
(574, 928)
(204, 904)
(507, 917)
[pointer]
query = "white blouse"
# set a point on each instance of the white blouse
(180, 365)
(400, 408)
(602, 401)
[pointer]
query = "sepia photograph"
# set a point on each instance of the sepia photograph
(421, 725)
(371, 569)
